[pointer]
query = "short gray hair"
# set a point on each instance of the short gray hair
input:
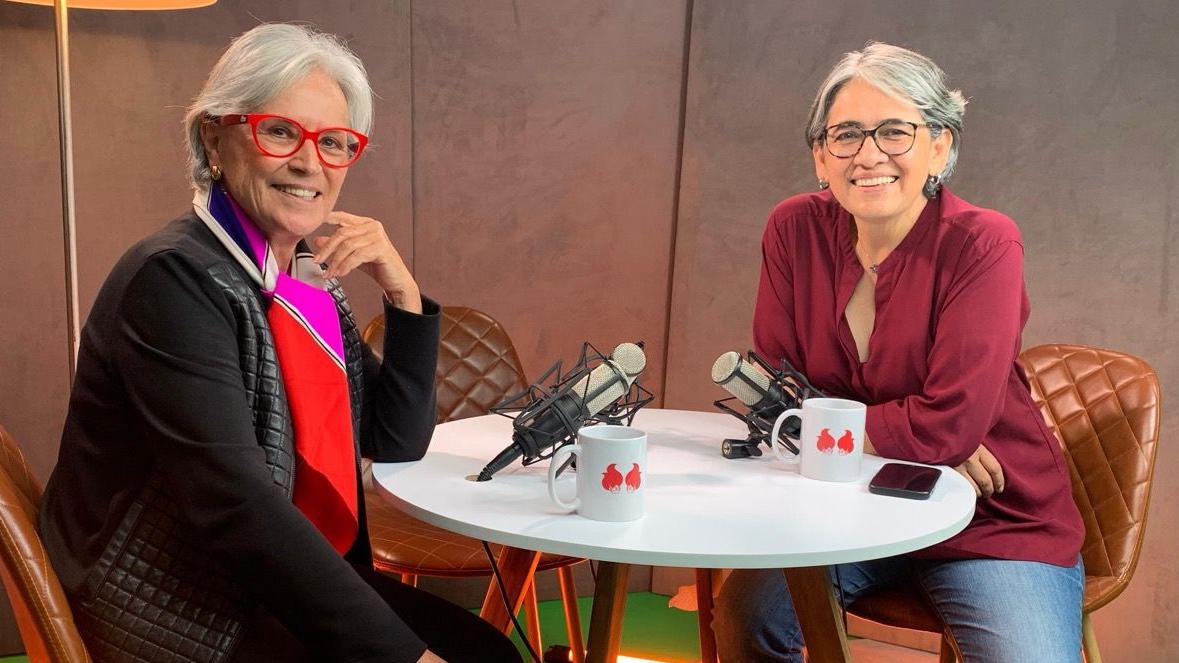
(903, 74)
(259, 65)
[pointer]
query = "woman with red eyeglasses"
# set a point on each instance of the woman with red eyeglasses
(206, 504)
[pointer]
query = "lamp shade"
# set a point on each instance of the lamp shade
(125, 4)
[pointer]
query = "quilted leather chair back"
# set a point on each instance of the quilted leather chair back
(477, 363)
(42, 612)
(1104, 407)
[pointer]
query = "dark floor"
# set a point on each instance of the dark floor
(654, 632)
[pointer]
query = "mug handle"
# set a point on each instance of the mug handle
(795, 412)
(555, 463)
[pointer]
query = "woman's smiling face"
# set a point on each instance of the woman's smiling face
(871, 185)
(287, 197)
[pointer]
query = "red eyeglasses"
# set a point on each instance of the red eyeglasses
(277, 136)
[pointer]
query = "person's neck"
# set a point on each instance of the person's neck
(282, 254)
(875, 239)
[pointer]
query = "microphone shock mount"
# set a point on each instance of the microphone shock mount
(527, 407)
(759, 419)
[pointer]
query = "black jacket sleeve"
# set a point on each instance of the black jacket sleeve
(399, 401)
(178, 359)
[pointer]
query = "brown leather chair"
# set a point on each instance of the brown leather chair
(42, 612)
(1104, 407)
(477, 367)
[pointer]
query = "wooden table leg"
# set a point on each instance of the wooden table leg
(819, 614)
(516, 566)
(704, 615)
(605, 631)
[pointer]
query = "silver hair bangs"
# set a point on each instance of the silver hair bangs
(904, 74)
(261, 63)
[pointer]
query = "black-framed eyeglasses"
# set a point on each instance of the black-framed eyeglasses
(892, 137)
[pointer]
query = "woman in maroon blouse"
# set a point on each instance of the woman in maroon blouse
(886, 288)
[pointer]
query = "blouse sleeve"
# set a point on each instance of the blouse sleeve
(976, 341)
(773, 317)
(399, 408)
(178, 360)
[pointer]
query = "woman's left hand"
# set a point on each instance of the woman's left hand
(359, 241)
(984, 472)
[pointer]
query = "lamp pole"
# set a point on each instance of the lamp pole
(67, 181)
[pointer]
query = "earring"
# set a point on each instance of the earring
(215, 172)
(932, 184)
(823, 184)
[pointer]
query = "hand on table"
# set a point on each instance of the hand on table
(983, 472)
(358, 241)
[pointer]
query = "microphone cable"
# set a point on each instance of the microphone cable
(503, 594)
(842, 598)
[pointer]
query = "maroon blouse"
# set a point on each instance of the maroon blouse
(941, 376)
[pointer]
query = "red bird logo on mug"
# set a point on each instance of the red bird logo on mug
(612, 478)
(634, 478)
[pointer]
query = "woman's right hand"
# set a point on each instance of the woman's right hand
(983, 472)
(430, 657)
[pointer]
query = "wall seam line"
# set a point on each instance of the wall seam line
(413, 156)
(675, 199)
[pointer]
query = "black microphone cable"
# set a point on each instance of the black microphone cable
(503, 594)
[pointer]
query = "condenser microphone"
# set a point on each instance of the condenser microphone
(559, 416)
(766, 392)
(749, 384)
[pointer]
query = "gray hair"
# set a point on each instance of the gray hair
(259, 65)
(906, 75)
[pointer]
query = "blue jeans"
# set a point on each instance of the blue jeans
(999, 611)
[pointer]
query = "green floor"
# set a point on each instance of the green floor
(650, 629)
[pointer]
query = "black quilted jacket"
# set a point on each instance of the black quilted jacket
(168, 516)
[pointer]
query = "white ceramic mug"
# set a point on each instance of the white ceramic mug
(831, 446)
(611, 473)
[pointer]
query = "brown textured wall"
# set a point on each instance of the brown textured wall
(545, 141)
(1068, 131)
(33, 365)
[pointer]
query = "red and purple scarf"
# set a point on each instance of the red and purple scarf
(310, 348)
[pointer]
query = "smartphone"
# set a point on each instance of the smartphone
(915, 482)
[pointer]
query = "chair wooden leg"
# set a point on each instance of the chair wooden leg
(572, 614)
(516, 567)
(1089, 640)
(704, 616)
(409, 579)
(532, 615)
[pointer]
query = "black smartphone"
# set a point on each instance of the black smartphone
(915, 482)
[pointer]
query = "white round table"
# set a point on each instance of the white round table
(702, 510)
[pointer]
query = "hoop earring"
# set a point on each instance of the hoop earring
(215, 172)
(933, 183)
(823, 185)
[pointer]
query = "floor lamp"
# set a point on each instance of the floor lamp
(67, 141)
